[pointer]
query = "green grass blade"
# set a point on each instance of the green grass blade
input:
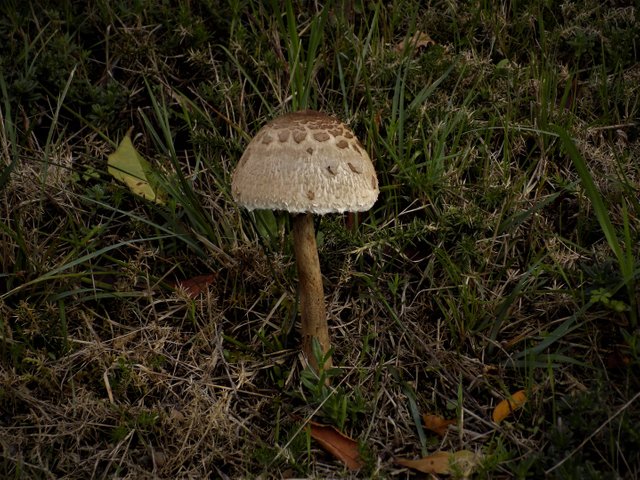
(624, 256)
(8, 134)
(55, 273)
(602, 214)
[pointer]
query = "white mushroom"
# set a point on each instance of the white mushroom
(306, 162)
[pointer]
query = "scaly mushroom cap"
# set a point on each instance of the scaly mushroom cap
(305, 162)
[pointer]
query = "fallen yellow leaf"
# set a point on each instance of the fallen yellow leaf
(437, 424)
(508, 405)
(128, 166)
(443, 463)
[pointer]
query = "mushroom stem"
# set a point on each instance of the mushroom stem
(313, 312)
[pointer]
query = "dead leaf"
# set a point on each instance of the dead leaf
(196, 285)
(617, 360)
(509, 405)
(337, 444)
(176, 414)
(417, 41)
(443, 463)
(437, 424)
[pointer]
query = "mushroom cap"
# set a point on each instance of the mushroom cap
(305, 162)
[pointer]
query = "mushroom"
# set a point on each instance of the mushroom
(306, 163)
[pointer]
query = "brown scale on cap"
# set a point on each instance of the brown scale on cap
(321, 136)
(283, 136)
(352, 168)
(299, 136)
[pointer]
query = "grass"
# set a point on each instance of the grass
(502, 254)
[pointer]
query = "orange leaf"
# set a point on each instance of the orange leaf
(508, 405)
(196, 285)
(442, 463)
(437, 424)
(337, 444)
